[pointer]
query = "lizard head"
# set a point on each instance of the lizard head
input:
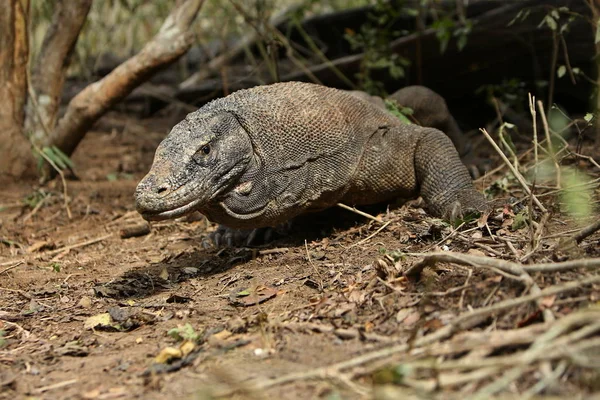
(200, 159)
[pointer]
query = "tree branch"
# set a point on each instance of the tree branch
(172, 41)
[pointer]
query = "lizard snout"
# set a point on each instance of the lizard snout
(150, 192)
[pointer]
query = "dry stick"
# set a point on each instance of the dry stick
(12, 267)
(463, 321)
(370, 236)
(470, 341)
(346, 333)
(536, 238)
(535, 137)
(362, 213)
(549, 142)
(67, 248)
(539, 346)
(58, 385)
(35, 209)
(587, 231)
(506, 268)
(516, 173)
(504, 265)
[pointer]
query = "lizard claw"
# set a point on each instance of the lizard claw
(469, 202)
(228, 237)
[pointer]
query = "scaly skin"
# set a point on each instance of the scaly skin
(262, 156)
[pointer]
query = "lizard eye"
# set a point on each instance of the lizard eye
(205, 149)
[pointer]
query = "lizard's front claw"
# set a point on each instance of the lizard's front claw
(229, 237)
(467, 202)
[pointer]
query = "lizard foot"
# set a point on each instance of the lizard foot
(229, 237)
(467, 202)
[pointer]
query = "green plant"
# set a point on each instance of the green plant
(185, 332)
(511, 92)
(402, 113)
(54, 154)
(446, 28)
(373, 40)
(33, 199)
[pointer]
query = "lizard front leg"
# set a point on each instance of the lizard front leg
(443, 180)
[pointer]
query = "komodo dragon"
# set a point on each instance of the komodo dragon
(262, 156)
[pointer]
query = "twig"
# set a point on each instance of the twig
(313, 266)
(509, 269)
(35, 209)
(68, 248)
(549, 143)
(369, 237)
(361, 213)
(535, 137)
(343, 333)
(462, 293)
(516, 173)
(504, 265)
(12, 267)
(536, 237)
(58, 385)
(278, 250)
(587, 231)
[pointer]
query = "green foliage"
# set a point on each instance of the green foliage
(402, 113)
(55, 267)
(511, 92)
(520, 220)
(576, 192)
(446, 28)
(373, 39)
(2, 339)
(577, 195)
(185, 332)
(54, 154)
(499, 187)
(558, 20)
(33, 199)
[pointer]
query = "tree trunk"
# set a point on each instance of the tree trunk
(16, 158)
(48, 75)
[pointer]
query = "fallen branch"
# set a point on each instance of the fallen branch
(12, 267)
(508, 267)
(587, 231)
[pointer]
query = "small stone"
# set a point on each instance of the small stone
(85, 302)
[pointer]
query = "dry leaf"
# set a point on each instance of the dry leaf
(98, 321)
(167, 354)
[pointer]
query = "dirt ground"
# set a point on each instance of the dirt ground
(85, 313)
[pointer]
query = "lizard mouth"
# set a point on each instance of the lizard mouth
(169, 214)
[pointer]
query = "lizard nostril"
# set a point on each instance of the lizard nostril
(162, 189)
